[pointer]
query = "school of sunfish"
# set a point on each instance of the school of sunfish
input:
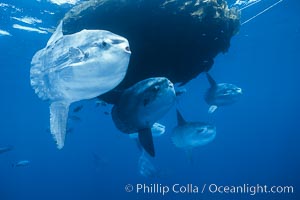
(89, 63)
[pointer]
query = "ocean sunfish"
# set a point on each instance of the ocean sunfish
(221, 94)
(188, 135)
(74, 67)
(141, 105)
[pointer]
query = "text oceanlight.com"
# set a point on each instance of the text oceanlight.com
(208, 188)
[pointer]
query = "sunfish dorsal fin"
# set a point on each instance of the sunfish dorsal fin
(57, 34)
(211, 81)
(180, 119)
(146, 140)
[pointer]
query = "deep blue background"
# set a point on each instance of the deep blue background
(257, 138)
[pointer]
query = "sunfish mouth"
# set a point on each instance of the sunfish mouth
(171, 85)
(127, 49)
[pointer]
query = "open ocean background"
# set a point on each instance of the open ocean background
(257, 138)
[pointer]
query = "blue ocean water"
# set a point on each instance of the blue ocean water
(257, 138)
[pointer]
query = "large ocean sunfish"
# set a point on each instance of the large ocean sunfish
(74, 67)
(141, 105)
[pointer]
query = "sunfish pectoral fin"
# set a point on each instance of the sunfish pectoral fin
(58, 121)
(76, 54)
(146, 140)
(212, 109)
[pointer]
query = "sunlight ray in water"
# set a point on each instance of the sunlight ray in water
(260, 13)
(250, 4)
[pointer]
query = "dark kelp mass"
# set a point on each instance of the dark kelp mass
(173, 39)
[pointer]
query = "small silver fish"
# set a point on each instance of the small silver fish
(78, 108)
(100, 103)
(21, 163)
(6, 149)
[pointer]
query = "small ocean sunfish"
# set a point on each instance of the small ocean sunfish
(141, 105)
(221, 94)
(188, 135)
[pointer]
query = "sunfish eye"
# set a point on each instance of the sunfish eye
(104, 44)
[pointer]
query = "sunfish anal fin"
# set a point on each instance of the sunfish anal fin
(146, 140)
(58, 121)
(76, 54)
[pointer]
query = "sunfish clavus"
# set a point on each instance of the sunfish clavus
(74, 67)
